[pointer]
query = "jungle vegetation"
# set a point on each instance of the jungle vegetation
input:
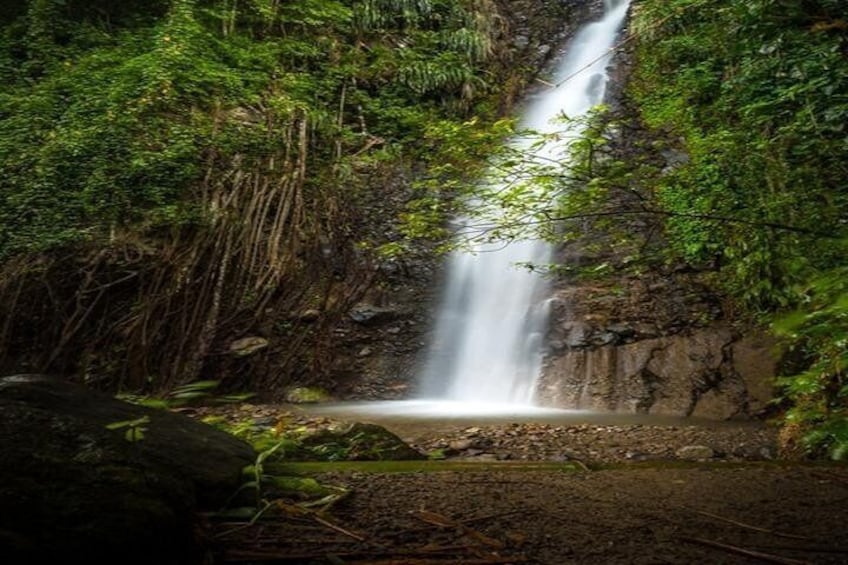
(174, 173)
(744, 167)
(177, 172)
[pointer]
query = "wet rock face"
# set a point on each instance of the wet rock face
(72, 489)
(658, 343)
(704, 373)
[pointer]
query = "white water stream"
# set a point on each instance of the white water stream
(490, 328)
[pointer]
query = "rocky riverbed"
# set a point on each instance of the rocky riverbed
(589, 443)
(604, 444)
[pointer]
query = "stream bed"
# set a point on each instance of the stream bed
(486, 432)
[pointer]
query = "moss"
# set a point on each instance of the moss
(307, 395)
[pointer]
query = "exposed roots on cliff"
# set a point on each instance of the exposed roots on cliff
(152, 309)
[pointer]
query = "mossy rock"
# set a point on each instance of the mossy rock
(359, 442)
(307, 395)
(73, 488)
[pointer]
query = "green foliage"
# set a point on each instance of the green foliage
(759, 93)
(105, 126)
(819, 395)
(162, 155)
(135, 429)
(193, 393)
(756, 92)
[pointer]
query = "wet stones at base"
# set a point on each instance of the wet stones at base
(603, 444)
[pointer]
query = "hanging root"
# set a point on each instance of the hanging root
(154, 310)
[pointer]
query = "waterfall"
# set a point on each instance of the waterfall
(488, 343)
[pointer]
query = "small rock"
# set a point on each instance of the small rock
(364, 313)
(247, 346)
(695, 452)
(604, 338)
(265, 421)
(306, 395)
(309, 315)
(460, 444)
(556, 345)
(364, 352)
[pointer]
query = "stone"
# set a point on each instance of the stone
(306, 395)
(248, 346)
(604, 338)
(72, 489)
(622, 330)
(461, 444)
(366, 313)
(364, 352)
(310, 315)
(577, 334)
(695, 452)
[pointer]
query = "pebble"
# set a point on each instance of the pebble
(695, 452)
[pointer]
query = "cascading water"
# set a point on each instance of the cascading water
(488, 344)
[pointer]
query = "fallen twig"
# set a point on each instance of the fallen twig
(767, 557)
(804, 549)
(339, 529)
(414, 557)
(751, 527)
(445, 522)
(831, 477)
(465, 561)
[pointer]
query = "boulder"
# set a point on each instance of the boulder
(87, 478)
(366, 313)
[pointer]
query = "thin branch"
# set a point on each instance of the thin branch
(750, 527)
(652, 212)
(766, 557)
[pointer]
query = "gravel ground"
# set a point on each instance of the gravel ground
(665, 493)
(589, 443)
(703, 513)
(602, 444)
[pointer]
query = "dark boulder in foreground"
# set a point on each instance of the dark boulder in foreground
(87, 478)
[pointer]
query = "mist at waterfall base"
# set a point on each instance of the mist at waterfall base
(488, 344)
